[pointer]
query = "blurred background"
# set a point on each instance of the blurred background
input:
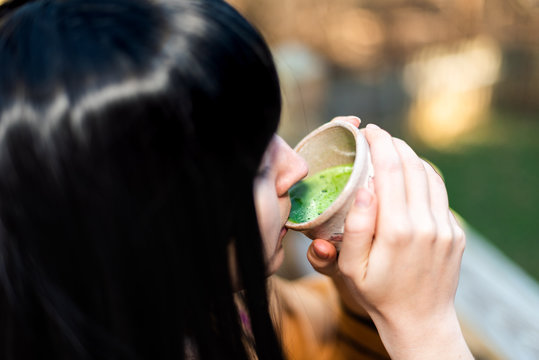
(459, 81)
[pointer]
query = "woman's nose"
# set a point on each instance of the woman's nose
(293, 169)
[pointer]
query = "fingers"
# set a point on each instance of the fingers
(417, 190)
(437, 188)
(401, 250)
(458, 232)
(323, 257)
(389, 177)
(359, 228)
(439, 205)
(354, 120)
(410, 192)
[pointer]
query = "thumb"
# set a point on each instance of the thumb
(323, 257)
(359, 228)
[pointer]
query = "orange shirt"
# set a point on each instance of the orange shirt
(314, 326)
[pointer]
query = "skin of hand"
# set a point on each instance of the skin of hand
(400, 258)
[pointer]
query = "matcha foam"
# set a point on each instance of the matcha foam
(311, 196)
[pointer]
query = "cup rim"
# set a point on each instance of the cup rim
(348, 188)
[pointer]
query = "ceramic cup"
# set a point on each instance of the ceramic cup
(334, 143)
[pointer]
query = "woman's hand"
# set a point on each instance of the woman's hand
(401, 253)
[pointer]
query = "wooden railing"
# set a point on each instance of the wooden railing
(498, 303)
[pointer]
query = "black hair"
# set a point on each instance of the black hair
(130, 135)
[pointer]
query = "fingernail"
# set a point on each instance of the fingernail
(355, 117)
(363, 198)
(373, 126)
(321, 253)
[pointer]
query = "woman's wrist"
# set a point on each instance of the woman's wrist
(348, 300)
(434, 337)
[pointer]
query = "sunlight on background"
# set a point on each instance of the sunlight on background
(426, 68)
(304, 80)
(354, 37)
(451, 89)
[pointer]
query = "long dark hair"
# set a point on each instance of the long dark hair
(130, 135)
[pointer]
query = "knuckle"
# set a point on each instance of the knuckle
(352, 225)
(401, 144)
(415, 164)
(438, 181)
(358, 222)
(446, 237)
(461, 239)
(391, 165)
(346, 269)
(426, 231)
(401, 232)
(459, 233)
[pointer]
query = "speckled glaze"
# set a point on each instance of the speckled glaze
(335, 143)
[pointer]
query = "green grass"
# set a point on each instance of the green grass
(492, 177)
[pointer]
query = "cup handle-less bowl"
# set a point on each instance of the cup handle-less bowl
(335, 143)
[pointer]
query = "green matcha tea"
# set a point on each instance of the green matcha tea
(311, 196)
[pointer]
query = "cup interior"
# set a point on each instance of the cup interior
(330, 145)
(334, 146)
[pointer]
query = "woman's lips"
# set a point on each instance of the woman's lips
(281, 236)
(283, 232)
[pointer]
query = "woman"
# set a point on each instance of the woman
(137, 222)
